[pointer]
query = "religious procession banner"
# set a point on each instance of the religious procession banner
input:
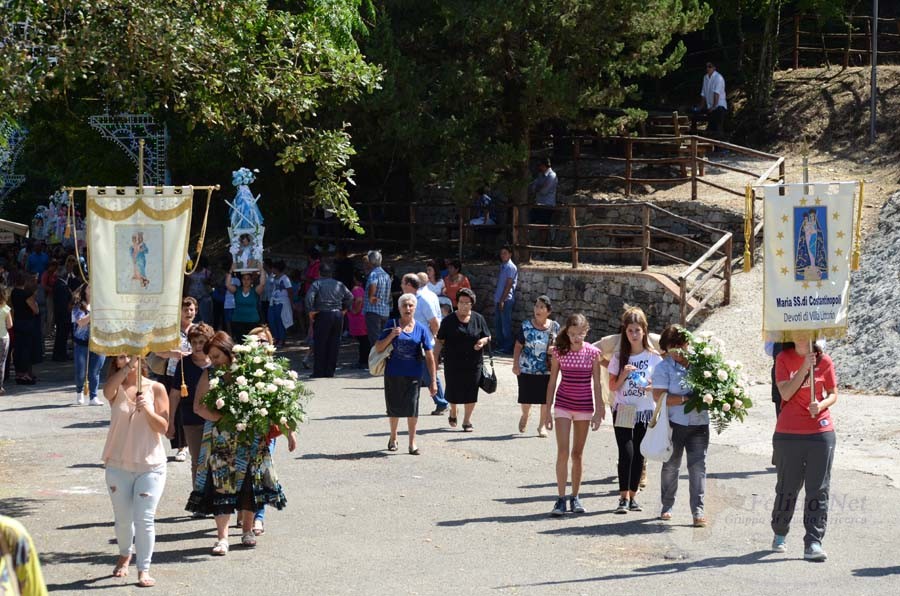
(137, 249)
(809, 240)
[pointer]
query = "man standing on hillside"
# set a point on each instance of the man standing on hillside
(712, 98)
(543, 188)
(504, 299)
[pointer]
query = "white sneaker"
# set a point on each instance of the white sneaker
(95, 401)
(79, 399)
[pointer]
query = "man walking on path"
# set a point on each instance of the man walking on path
(504, 299)
(378, 296)
(326, 302)
(428, 313)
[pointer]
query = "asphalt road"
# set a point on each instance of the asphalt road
(468, 516)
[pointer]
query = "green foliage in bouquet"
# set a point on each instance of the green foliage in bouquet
(717, 384)
(257, 391)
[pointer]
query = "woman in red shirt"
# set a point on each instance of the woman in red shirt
(803, 442)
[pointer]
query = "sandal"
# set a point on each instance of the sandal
(700, 522)
(392, 445)
(414, 451)
(665, 516)
(468, 427)
(452, 421)
(259, 527)
(220, 548)
(523, 422)
(146, 581)
(121, 568)
(248, 540)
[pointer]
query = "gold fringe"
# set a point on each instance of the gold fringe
(139, 205)
(824, 333)
(118, 336)
(857, 240)
(130, 349)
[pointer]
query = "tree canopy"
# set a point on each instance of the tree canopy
(468, 83)
(275, 75)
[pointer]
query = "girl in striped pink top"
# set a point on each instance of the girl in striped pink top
(577, 406)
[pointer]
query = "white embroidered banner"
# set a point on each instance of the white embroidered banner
(137, 247)
(808, 246)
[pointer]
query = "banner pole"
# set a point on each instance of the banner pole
(140, 191)
(854, 261)
(812, 378)
(748, 228)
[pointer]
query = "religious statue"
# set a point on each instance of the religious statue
(246, 229)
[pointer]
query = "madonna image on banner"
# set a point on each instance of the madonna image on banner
(811, 243)
(139, 259)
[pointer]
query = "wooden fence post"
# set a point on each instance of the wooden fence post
(682, 309)
(573, 226)
(576, 157)
(796, 41)
(752, 227)
(729, 245)
(515, 230)
(627, 167)
(645, 252)
(694, 168)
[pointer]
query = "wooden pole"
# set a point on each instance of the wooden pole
(574, 233)
(748, 230)
(693, 168)
(627, 167)
(515, 229)
(682, 309)
(729, 246)
(645, 252)
(796, 41)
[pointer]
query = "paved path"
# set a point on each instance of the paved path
(467, 517)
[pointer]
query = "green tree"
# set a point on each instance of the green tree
(468, 84)
(273, 75)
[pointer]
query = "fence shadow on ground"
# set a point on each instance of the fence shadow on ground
(507, 519)
(89, 425)
(876, 571)
(345, 456)
(17, 507)
(614, 480)
(31, 408)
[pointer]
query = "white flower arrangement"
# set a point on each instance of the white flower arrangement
(276, 398)
(717, 384)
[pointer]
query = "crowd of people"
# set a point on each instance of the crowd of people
(427, 323)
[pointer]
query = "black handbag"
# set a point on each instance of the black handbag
(488, 381)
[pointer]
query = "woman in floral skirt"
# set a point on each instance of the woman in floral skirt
(234, 473)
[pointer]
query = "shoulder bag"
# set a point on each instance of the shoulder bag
(488, 380)
(657, 443)
(378, 360)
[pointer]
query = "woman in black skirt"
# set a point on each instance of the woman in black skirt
(413, 346)
(531, 364)
(462, 337)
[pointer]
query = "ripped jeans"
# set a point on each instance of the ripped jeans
(134, 499)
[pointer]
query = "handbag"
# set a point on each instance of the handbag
(488, 380)
(657, 443)
(378, 360)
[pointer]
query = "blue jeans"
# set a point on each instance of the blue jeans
(438, 398)
(276, 326)
(503, 316)
(694, 440)
(84, 358)
(134, 499)
(261, 512)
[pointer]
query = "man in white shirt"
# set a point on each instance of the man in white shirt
(712, 98)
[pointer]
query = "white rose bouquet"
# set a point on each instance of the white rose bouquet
(256, 392)
(717, 384)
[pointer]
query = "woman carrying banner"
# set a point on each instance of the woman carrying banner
(803, 442)
(246, 302)
(633, 405)
(576, 408)
(690, 430)
(234, 473)
(135, 459)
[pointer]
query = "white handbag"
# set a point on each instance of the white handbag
(378, 360)
(657, 443)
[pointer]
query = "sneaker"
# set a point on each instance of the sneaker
(634, 505)
(542, 432)
(95, 401)
(778, 545)
(439, 411)
(623, 506)
(575, 505)
(814, 552)
(181, 455)
(559, 509)
(79, 399)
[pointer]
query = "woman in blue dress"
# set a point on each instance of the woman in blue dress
(138, 252)
(531, 364)
(244, 212)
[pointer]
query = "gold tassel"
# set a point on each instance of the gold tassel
(748, 228)
(854, 261)
(68, 233)
(184, 389)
